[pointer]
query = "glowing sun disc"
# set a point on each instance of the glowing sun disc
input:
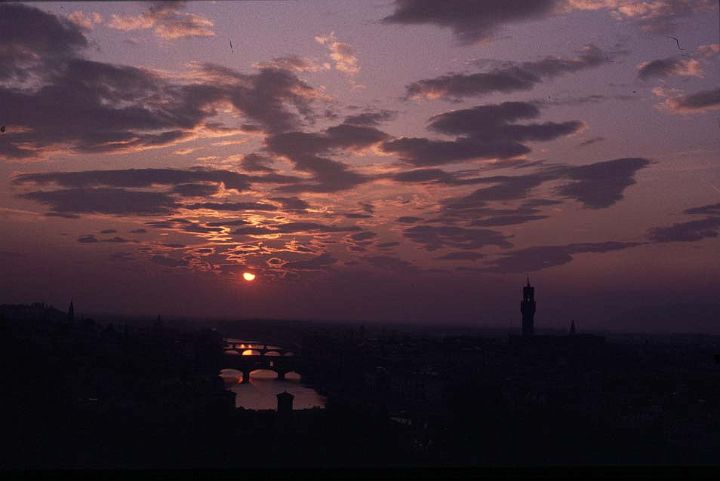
(248, 276)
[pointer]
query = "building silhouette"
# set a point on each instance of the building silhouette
(71, 312)
(527, 308)
(285, 416)
(285, 403)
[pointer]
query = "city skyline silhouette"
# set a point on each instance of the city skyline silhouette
(410, 239)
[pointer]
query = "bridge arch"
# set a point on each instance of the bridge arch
(231, 376)
(264, 373)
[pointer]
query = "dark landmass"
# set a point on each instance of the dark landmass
(79, 393)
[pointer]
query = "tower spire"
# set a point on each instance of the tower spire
(71, 311)
(527, 308)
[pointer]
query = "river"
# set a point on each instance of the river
(260, 393)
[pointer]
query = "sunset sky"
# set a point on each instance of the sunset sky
(383, 161)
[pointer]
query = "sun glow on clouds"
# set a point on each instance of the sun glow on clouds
(265, 173)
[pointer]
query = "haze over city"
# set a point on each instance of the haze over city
(405, 161)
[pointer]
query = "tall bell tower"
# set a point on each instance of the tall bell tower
(527, 307)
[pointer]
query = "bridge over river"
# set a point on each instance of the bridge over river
(247, 356)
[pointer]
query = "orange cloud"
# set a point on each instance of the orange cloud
(85, 20)
(343, 54)
(167, 22)
(698, 102)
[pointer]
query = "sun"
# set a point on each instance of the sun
(248, 276)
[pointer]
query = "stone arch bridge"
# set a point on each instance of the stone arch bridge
(248, 356)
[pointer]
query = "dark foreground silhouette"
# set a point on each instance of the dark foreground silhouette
(81, 394)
